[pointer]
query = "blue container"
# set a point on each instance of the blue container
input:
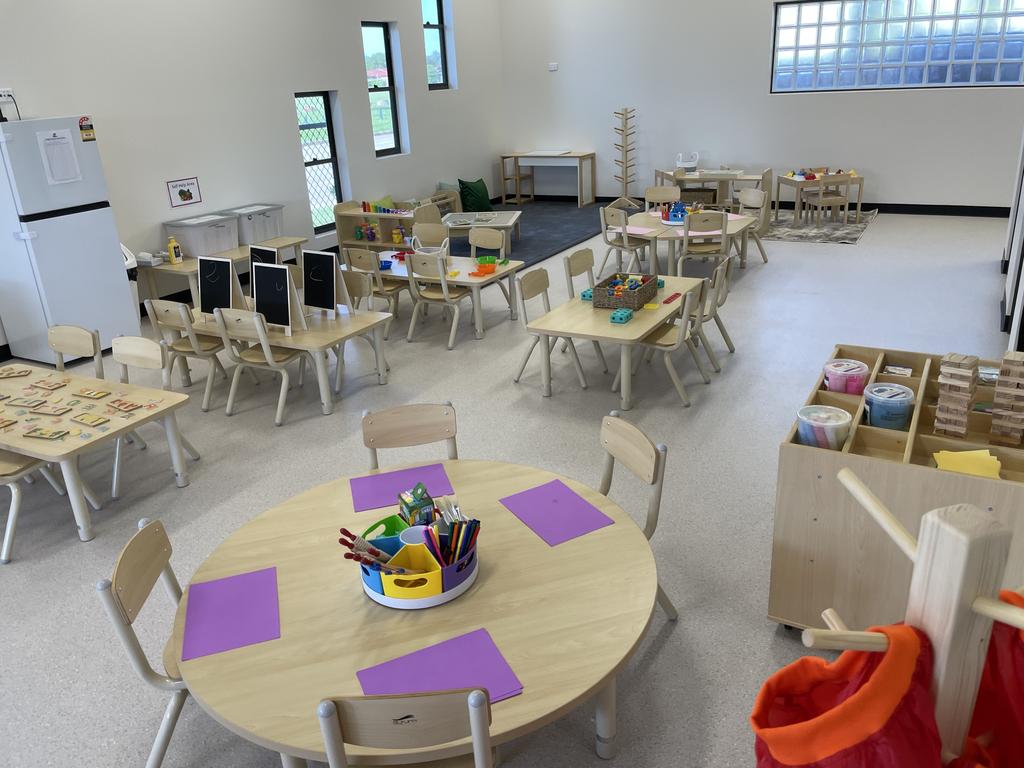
(888, 406)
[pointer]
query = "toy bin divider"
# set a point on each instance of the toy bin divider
(414, 585)
(456, 573)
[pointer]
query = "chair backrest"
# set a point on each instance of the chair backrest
(408, 425)
(428, 213)
(144, 559)
(616, 218)
(692, 302)
(173, 318)
(532, 284)
(578, 263)
(625, 443)
(485, 237)
(433, 265)
(723, 281)
(246, 325)
(140, 352)
(406, 722)
(77, 341)
(830, 186)
(362, 260)
(660, 195)
(430, 235)
(358, 284)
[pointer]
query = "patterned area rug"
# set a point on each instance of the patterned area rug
(828, 232)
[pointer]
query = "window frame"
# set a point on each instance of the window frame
(441, 28)
(1004, 14)
(391, 89)
(333, 159)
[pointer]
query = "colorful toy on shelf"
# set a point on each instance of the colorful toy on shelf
(371, 233)
(359, 232)
(587, 294)
(677, 214)
(398, 235)
(958, 379)
(621, 316)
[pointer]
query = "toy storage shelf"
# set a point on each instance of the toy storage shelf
(826, 553)
(347, 221)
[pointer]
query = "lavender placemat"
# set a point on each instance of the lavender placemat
(376, 491)
(231, 613)
(555, 512)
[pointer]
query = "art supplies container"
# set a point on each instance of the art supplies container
(847, 376)
(384, 534)
(823, 426)
(888, 406)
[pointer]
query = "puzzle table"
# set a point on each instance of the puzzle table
(63, 393)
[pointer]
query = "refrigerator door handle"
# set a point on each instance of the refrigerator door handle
(25, 235)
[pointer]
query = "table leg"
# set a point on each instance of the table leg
(378, 348)
(175, 447)
(76, 495)
(320, 364)
(593, 179)
(743, 247)
(287, 761)
(778, 198)
(519, 197)
(512, 296)
(605, 719)
(860, 196)
(626, 375)
(673, 257)
(478, 312)
(193, 287)
(150, 282)
(545, 365)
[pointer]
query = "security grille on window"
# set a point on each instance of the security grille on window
(319, 155)
(870, 44)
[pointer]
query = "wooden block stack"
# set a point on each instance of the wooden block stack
(958, 378)
(1008, 405)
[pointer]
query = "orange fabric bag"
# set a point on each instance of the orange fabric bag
(865, 710)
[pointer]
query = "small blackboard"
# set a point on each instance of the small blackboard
(319, 279)
(272, 292)
(214, 284)
(258, 255)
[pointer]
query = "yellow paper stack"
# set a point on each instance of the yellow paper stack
(980, 463)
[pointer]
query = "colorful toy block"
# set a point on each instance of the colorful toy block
(587, 294)
(621, 316)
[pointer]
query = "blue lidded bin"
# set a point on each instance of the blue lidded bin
(888, 406)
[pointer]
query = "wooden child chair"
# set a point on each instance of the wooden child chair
(172, 320)
(428, 213)
(532, 284)
(754, 202)
(626, 444)
(15, 468)
(660, 196)
(614, 223)
(490, 240)
(406, 426)
(139, 352)
(359, 286)
(389, 289)
(437, 291)
(833, 192)
(77, 341)
(368, 721)
(240, 324)
(704, 236)
(145, 558)
(708, 310)
(578, 263)
(429, 236)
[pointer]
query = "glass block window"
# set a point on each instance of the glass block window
(320, 157)
(867, 44)
(435, 44)
(380, 80)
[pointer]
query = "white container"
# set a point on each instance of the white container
(258, 222)
(204, 235)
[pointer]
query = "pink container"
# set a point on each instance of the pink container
(847, 376)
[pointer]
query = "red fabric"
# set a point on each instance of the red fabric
(848, 714)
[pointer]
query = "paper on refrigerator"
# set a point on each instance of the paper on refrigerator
(59, 159)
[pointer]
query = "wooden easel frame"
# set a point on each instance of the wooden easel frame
(339, 290)
(238, 300)
(296, 317)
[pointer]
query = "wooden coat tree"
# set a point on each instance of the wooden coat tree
(625, 146)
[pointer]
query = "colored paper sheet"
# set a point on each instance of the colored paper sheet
(981, 463)
(231, 613)
(556, 513)
(467, 661)
(631, 230)
(376, 491)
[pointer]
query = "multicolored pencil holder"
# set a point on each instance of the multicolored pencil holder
(436, 585)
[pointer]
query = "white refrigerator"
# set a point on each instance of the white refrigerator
(60, 256)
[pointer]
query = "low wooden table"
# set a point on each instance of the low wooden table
(736, 226)
(157, 405)
(799, 185)
(324, 334)
(464, 265)
(567, 618)
(580, 320)
(503, 221)
(723, 179)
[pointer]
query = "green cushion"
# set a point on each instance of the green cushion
(474, 196)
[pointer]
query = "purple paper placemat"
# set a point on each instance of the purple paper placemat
(376, 491)
(467, 661)
(231, 613)
(555, 512)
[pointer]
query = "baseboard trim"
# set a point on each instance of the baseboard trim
(5, 352)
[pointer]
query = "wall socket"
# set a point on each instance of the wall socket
(6, 93)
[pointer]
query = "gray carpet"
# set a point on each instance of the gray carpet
(546, 229)
(828, 232)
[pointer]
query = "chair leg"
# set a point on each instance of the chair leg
(186, 376)
(137, 439)
(725, 333)
(674, 375)
(219, 366)
(666, 605)
(210, 378)
(576, 362)
(600, 356)
(455, 326)
(12, 522)
(760, 247)
(53, 480)
(412, 320)
(190, 449)
(393, 309)
(115, 478)
(302, 370)
(604, 262)
(282, 398)
(163, 735)
(526, 358)
(712, 357)
(339, 354)
(696, 359)
(91, 497)
(236, 376)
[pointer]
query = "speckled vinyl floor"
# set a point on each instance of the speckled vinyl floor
(70, 699)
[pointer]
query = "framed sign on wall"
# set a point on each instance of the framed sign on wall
(184, 192)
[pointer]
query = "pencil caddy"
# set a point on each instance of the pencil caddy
(437, 584)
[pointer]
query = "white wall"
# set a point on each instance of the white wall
(698, 74)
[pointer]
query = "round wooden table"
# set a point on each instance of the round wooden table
(567, 618)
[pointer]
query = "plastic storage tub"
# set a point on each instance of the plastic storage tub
(204, 235)
(888, 406)
(847, 376)
(823, 426)
(258, 222)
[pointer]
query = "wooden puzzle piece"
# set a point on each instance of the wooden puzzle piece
(46, 434)
(90, 419)
(51, 410)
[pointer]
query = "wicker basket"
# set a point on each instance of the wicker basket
(634, 300)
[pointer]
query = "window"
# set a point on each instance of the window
(435, 44)
(320, 157)
(865, 44)
(380, 78)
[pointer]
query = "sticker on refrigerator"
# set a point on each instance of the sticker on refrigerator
(85, 129)
(59, 159)
(184, 192)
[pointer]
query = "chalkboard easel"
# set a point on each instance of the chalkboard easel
(276, 298)
(219, 287)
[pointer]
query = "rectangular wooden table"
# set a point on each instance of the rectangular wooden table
(156, 405)
(656, 231)
(464, 265)
(324, 334)
(579, 319)
(540, 158)
(724, 179)
(799, 185)
(503, 221)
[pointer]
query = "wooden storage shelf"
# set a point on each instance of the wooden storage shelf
(826, 552)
